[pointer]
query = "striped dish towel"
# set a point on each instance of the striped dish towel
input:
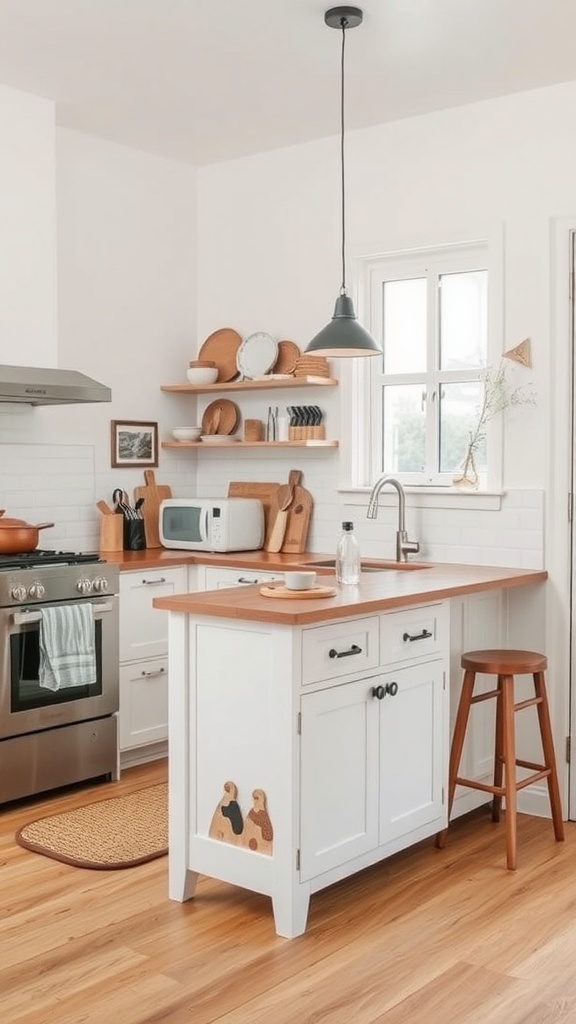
(67, 649)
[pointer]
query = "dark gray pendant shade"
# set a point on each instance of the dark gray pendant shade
(344, 336)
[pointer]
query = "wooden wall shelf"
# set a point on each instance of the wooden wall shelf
(250, 385)
(249, 444)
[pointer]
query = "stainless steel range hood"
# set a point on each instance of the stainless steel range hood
(48, 386)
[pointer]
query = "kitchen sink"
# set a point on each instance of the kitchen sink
(374, 565)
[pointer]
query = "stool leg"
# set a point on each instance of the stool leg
(498, 754)
(549, 758)
(509, 758)
(457, 745)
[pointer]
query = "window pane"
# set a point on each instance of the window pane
(404, 323)
(463, 320)
(459, 409)
(404, 429)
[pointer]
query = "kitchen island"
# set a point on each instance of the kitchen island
(309, 738)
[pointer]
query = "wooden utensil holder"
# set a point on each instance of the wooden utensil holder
(111, 532)
(253, 430)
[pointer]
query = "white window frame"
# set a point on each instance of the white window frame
(361, 397)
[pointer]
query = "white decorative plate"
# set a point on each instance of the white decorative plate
(256, 355)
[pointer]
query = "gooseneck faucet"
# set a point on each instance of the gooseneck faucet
(404, 547)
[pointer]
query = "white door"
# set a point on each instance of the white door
(339, 772)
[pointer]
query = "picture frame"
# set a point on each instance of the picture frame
(133, 443)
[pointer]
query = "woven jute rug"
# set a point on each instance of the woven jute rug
(115, 833)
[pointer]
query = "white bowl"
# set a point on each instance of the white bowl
(299, 580)
(186, 433)
(202, 374)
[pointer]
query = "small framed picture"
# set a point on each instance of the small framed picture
(133, 443)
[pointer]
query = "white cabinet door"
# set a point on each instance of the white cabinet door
(144, 629)
(339, 772)
(412, 741)
(143, 703)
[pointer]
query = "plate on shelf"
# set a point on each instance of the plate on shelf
(219, 438)
(288, 353)
(256, 355)
(221, 348)
(220, 417)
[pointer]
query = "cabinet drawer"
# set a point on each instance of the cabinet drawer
(143, 628)
(339, 649)
(217, 578)
(414, 633)
(143, 703)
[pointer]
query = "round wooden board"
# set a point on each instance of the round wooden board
(225, 413)
(298, 595)
(221, 348)
(288, 353)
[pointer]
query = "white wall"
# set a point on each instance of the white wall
(27, 230)
(268, 230)
(122, 226)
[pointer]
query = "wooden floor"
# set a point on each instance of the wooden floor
(432, 936)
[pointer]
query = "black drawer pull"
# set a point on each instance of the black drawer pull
(333, 653)
(391, 688)
(424, 635)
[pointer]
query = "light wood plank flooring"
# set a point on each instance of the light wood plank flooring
(432, 936)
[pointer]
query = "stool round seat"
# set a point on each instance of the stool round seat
(504, 662)
(505, 665)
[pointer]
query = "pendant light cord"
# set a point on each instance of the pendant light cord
(344, 24)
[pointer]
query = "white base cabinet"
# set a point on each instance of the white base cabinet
(144, 656)
(342, 726)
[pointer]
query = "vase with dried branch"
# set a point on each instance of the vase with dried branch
(497, 396)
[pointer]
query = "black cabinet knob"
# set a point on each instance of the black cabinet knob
(379, 692)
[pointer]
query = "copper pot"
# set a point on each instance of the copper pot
(17, 537)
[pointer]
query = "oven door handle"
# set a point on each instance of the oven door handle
(21, 618)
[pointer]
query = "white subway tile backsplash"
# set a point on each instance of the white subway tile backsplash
(58, 483)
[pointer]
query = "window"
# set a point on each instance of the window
(430, 310)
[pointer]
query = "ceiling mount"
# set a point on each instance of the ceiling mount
(343, 17)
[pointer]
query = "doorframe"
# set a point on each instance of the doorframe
(560, 525)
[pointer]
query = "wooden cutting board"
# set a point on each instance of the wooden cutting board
(153, 495)
(264, 492)
(299, 513)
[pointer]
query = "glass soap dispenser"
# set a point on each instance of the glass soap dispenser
(348, 556)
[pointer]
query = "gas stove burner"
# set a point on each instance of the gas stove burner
(32, 559)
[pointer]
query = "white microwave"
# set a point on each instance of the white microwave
(212, 524)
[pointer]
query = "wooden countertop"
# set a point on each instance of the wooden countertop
(376, 592)
(157, 558)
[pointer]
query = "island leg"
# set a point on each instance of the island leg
(181, 887)
(291, 910)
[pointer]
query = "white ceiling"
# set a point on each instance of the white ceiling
(209, 80)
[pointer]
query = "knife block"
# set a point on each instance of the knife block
(111, 532)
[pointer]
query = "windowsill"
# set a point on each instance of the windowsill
(429, 497)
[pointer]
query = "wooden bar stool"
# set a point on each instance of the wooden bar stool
(505, 665)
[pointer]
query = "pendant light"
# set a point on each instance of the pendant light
(343, 336)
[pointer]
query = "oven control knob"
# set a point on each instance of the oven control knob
(19, 593)
(100, 585)
(37, 591)
(84, 586)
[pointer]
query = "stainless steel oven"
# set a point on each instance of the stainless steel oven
(51, 738)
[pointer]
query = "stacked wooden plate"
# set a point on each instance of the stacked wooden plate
(312, 366)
